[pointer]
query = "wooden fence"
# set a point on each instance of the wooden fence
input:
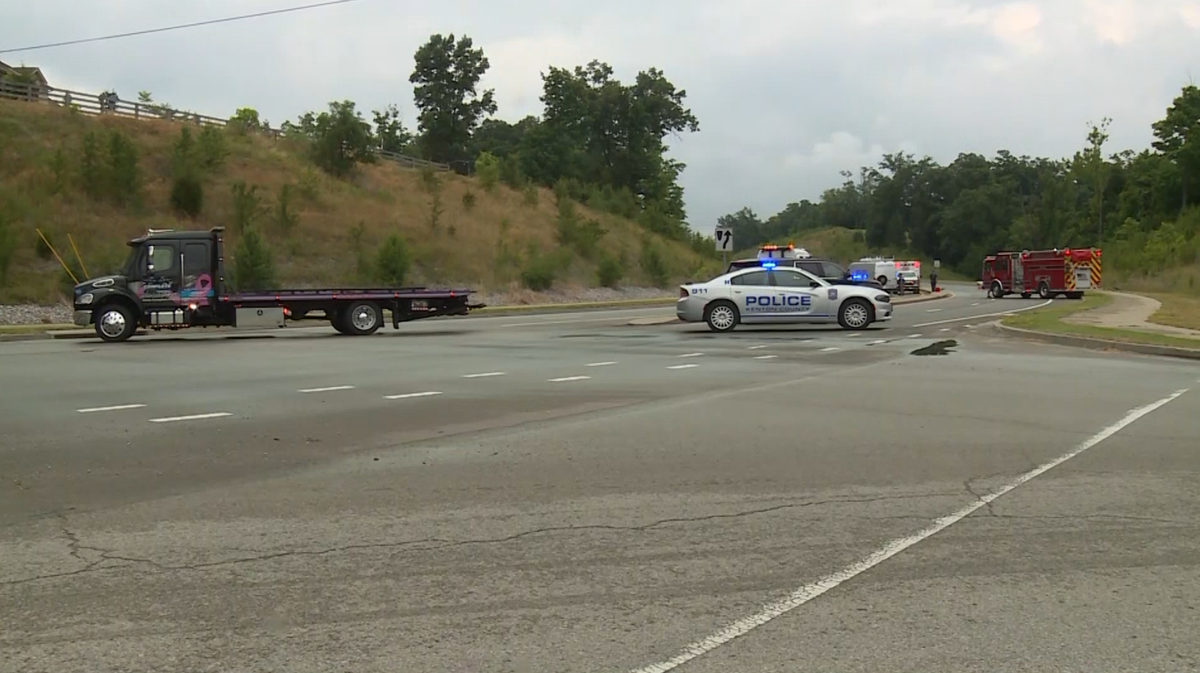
(111, 104)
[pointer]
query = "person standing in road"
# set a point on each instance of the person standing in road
(933, 281)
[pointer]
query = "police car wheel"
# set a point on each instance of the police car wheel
(721, 316)
(855, 314)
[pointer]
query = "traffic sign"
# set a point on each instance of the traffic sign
(724, 238)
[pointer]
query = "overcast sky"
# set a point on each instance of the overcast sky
(788, 93)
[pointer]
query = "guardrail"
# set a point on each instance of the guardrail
(110, 104)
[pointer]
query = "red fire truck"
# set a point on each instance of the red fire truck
(1049, 273)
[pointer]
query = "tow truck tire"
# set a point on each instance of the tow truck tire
(721, 316)
(856, 313)
(114, 322)
(363, 318)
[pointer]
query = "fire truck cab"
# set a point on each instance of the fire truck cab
(1049, 273)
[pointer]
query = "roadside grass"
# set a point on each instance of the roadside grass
(1050, 319)
(1177, 310)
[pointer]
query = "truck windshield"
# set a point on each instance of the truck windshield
(128, 268)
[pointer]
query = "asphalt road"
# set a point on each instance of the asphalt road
(567, 492)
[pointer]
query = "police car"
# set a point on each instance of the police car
(772, 294)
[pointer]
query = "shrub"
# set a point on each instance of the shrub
(609, 272)
(487, 168)
(254, 268)
(393, 261)
(539, 273)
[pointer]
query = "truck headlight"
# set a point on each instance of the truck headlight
(883, 298)
(84, 298)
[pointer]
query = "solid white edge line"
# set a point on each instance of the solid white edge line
(808, 592)
(483, 375)
(118, 407)
(569, 378)
(403, 396)
(325, 390)
(982, 315)
(682, 366)
(600, 364)
(195, 417)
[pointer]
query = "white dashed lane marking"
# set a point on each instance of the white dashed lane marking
(984, 315)
(691, 355)
(853, 336)
(808, 592)
(118, 407)
(765, 357)
(914, 336)
(830, 349)
(756, 348)
(682, 366)
(404, 396)
(944, 329)
(877, 342)
(932, 310)
(330, 389)
(195, 417)
(601, 364)
(483, 375)
(569, 378)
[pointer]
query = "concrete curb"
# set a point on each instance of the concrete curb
(1100, 344)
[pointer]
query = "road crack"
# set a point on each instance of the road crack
(437, 544)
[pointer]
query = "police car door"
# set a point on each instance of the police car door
(751, 291)
(798, 294)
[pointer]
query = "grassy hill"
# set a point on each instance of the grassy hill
(320, 230)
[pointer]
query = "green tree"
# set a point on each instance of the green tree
(446, 81)
(390, 133)
(341, 138)
(1177, 136)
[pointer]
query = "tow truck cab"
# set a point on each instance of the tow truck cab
(167, 274)
(176, 280)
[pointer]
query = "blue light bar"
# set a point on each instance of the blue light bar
(768, 264)
(859, 274)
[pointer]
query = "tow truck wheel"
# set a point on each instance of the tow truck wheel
(855, 314)
(363, 318)
(114, 322)
(721, 316)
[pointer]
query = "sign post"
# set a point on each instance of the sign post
(724, 239)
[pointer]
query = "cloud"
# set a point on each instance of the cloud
(788, 92)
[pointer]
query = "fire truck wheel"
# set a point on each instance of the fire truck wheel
(721, 316)
(1044, 290)
(996, 291)
(855, 314)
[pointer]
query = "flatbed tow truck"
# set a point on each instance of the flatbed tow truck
(176, 280)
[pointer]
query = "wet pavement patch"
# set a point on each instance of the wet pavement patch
(937, 348)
